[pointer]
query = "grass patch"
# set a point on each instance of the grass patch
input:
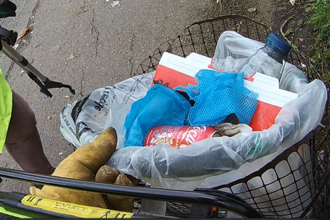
(319, 20)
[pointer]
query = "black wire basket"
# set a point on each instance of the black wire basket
(273, 198)
(310, 196)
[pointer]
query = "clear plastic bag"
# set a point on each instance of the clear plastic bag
(186, 168)
(233, 50)
(209, 162)
(165, 167)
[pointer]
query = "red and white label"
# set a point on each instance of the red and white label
(178, 136)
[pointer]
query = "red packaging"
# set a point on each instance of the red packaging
(179, 136)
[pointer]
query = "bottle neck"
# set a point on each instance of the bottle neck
(273, 54)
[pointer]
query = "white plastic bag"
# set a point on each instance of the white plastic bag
(210, 162)
(186, 168)
(83, 120)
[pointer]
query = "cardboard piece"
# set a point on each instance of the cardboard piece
(174, 71)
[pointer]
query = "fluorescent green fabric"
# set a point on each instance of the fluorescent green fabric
(6, 105)
(4, 211)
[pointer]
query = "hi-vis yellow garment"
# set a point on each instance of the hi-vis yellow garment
(6, 105)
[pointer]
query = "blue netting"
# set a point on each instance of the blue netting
(217, 95)
(160, 107)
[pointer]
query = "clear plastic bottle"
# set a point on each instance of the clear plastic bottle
(268, 59)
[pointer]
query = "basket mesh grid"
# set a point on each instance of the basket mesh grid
(292, 185)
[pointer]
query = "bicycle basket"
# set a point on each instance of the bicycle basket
(270, 198)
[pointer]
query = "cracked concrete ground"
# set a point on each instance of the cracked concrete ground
(87, 44)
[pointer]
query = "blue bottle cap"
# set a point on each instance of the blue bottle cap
(277, 44)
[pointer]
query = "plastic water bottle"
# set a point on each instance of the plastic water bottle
(268, 59)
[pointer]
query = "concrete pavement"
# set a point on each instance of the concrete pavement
(87, 44)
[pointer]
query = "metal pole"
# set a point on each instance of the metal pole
(21, 61)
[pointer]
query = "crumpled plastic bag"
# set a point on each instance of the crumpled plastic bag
(213, 161)
(186, 168)
(160, 107)
(220, 161)
(233, 50)
(83, 120)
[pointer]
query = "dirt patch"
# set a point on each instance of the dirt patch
(259, 10)
(202, 37)
(276, 15)
(294, 28)
(280, 16)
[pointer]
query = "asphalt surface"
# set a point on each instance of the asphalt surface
(89, 45)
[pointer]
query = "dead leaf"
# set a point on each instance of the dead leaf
(23, 32)
(308, 9)
(71, 56)
(238, 27)
(91, 30)
(300, 23)
(252, 9)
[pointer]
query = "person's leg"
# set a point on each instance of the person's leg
(23, 141)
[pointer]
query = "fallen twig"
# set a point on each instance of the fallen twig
(284, 35)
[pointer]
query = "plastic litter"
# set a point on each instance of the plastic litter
(217, 95)
(233, 49)
(160, 107)
(268, 59)
(83, 120)
(213, 161)
(115, 3)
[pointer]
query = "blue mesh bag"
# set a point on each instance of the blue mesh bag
(160, 107)
(217, 95)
